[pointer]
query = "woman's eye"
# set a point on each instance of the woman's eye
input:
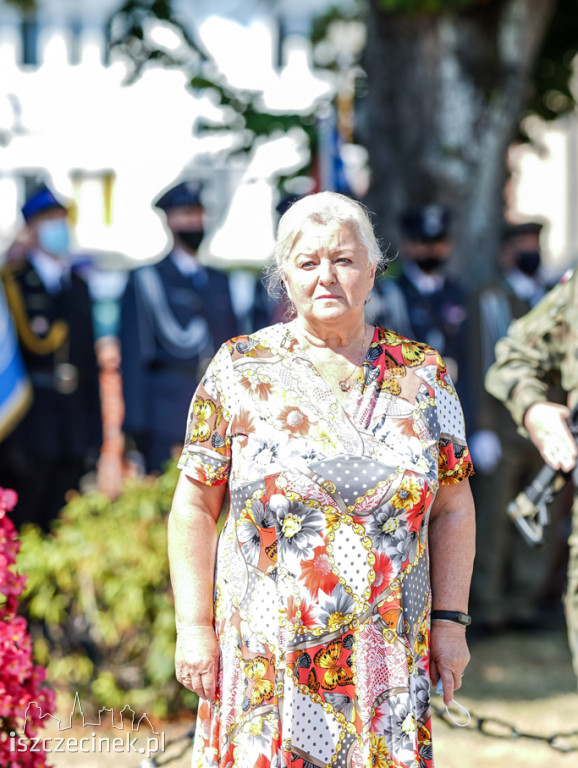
(307, 264)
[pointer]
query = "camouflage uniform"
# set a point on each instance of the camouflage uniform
(540, 349)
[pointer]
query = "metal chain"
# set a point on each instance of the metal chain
(487, 726)
(155, 762)
(499, 729)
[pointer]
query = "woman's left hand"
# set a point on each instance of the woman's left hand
(449, 656)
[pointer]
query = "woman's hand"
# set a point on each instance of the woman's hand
(197, 660)
(449, 656)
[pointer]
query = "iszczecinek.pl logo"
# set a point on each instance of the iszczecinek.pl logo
(138, 736)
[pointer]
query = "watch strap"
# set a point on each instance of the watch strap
(456, 616)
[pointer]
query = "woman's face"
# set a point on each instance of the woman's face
(328, 275)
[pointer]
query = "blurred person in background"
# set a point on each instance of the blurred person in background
(58, 441)
(174, 316)
(510, 580)
(313, 626)
(423, 302)
(539, 350)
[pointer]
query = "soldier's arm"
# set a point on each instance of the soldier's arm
(529, 358)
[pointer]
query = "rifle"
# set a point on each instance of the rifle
(529, 510)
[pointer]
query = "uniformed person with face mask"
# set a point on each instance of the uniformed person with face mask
(540, 349)
(174, 316)
(59, 438)
(423, 302)
(510, 581)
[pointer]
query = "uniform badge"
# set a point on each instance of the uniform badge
(65, 378)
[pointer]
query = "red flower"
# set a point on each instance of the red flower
(21, 681)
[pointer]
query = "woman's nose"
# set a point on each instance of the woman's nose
(326, 272)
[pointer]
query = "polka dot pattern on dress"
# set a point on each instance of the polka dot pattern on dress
(413, 588)
(352, 476)
(306, 715)
(450, 415)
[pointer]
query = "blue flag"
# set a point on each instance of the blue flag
(15, 389)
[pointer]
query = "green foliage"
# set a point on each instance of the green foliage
(26, 6)
(552, 95)
(245, 113)
(434, 6)
(130, 34)
(99, 600)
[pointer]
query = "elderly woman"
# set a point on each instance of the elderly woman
(307, 628)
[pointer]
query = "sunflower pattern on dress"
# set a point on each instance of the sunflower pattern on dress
(322, 591)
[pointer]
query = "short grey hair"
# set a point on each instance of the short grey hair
(321, 208)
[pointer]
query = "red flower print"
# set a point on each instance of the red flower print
(258, 385)
(414, 516)
(404, 427)
(316, 572)
(307, 618)
(383, 574)
(294, 420)
(242, 425)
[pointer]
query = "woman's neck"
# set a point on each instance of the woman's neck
(338, 339)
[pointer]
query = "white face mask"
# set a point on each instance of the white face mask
(463, 710)
(54, 237)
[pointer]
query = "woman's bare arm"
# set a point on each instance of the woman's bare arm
(452, 547)
(192, 546)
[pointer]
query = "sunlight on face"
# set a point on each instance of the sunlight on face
(328, 275)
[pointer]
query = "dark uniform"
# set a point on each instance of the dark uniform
(59, 438)
(422, 302)
(510, 581)
(172, 323)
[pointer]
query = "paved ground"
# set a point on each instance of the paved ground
(525, 679)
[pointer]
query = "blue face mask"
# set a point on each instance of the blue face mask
(54, 237)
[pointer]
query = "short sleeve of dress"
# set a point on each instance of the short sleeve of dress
(206, 455)
(454, 460)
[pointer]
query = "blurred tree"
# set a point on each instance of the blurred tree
(447, 86)
(448, 83)
(26, 6)
(243, 110)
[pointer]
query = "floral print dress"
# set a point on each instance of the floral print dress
(322, 591)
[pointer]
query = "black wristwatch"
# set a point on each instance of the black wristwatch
(457, 616)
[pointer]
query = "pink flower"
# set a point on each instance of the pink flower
(8, 499)
(21, 681)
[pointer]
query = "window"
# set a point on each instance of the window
(29, 35)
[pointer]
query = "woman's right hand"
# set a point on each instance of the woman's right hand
(197, 659)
